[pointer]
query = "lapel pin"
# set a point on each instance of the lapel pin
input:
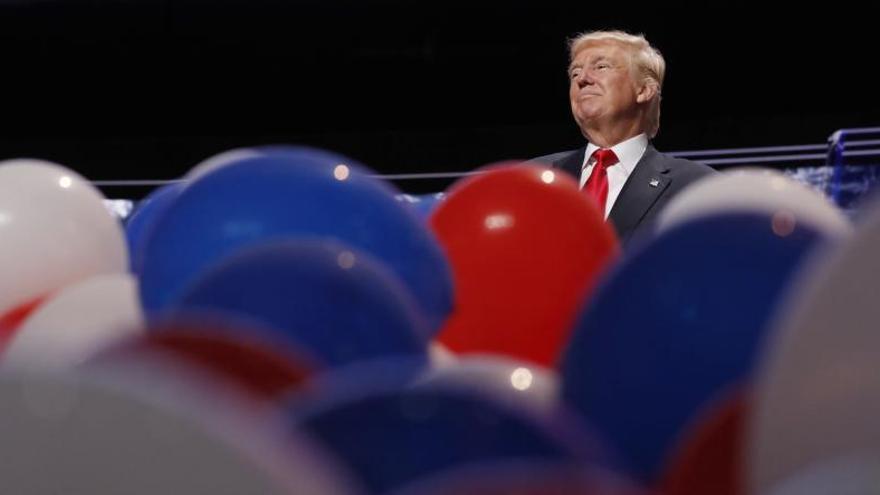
(654, 182)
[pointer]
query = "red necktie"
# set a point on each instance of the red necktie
(597, 185)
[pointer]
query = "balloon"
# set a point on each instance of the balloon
(245, 359)
(139, 223)
(526, 248)
(221, 160)
(440, 355)
(423, 204)
(337, 302)
(855, 474)
(13, 318)
(678, 322)
(755, 190)
(427, 203)
(76, 322)
(291, 193)
(709, 457)
(81, 434)
(524, 478)
(390, 373)
(817, 394)
(55, 231)
(393, 436)
(522, 383)
(236, 155)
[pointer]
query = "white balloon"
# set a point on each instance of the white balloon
(853, 475)
(502, 377)
(220, 160)
(817, 392)
(755, 190)
(76, 434)
(440, 356)
(76, 322)
(54, 231)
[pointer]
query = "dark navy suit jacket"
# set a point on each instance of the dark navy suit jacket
(656, 179)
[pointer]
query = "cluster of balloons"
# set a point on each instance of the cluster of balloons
(282, 321)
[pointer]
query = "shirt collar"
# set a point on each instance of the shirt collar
(628, 152)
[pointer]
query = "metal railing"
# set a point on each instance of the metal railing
(842, 144)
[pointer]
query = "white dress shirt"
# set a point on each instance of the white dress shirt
(628, 153)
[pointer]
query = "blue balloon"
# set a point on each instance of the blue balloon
(334, 301)
(427, 203)
(291, 193)
(422, 204)
(143, 218)
(390, 436)
(679, 321)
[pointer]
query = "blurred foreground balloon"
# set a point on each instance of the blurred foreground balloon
(219, 160)
(755, 190)
(13, 318)
(76, 434)
(235, 155)
(423, 204)
(391, 436)
(142, 219)
(526, 248)
(856, 474)
(523, 383)
(291, 193)
(55, 231)
(337, 302)
(76, 322)
(709, 454)
(677, 323)
(817, 394)
(229, 355)
(523, 478)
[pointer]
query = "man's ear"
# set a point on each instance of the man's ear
(647, 91)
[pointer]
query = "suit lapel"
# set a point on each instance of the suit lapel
(641, 190)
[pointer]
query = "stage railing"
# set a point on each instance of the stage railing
(845, 168)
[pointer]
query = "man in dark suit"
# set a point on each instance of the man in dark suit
(615, 82)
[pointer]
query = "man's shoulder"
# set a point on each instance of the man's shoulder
(554, 159)
(685, 167)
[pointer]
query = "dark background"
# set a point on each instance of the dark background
(145, 89)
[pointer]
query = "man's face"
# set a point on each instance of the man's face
(601, 88)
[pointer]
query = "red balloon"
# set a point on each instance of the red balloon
(12, 319)
(526, 247)
(232, 359)
(710, 457)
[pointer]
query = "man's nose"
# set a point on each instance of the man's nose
(583, 79)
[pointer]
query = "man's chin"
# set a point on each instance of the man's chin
(586, 118)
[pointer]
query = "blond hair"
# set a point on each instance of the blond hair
(647, 63)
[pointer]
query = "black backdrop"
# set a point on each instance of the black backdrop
(144, 89)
